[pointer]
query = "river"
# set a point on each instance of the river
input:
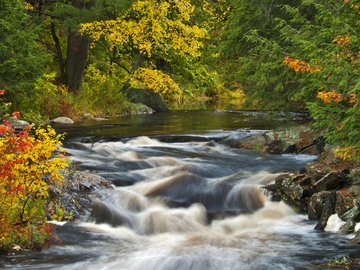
(184, 200)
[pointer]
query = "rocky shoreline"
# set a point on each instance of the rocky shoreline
(327, 188)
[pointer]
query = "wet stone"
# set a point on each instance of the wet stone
(316, 204)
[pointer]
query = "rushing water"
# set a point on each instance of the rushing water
(184, 200)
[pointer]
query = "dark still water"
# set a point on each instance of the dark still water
(184, 200)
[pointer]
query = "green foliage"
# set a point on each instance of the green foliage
(21, 56)
(319, 42)
(100, 94)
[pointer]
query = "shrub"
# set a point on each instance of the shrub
(27, 167)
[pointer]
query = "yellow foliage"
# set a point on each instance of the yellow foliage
(346, 153)
(150, 26)
(27, 166)
(157, 81)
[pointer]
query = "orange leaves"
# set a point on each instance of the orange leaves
(354, 6)
(299, 65)
(343, 40)
(329, 97)
(353, 98)
(333, 97)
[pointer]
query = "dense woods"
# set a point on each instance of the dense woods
(71, 57)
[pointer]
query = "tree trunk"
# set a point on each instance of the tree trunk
(77, 55)
(58, 52)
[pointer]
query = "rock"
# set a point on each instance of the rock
(140, 108)
(147, 97)
(291, 149)
(18, 124)
(256, 142)
(343, 202)
(84, 181)
(328, 210)
(293, 140)
(356, 239)
(63, 120)
(88, 116)
(292, 189)
(329, 181)
(348, 227)
(316, 204)
(288, 188)
(99, 119)
(353, 213)
(73, 195)
(275, 147)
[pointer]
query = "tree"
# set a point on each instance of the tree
(153, 33)
(67, 17)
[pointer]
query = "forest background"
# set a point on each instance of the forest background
(71, 57)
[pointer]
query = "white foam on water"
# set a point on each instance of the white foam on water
(334, 223)
(301, 157)
(57, 223)
(144, 141)
(357, 227)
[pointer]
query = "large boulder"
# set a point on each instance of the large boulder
(327, 211)
(331, 180)
(148, 97)
(292, 189)
(317, 203)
